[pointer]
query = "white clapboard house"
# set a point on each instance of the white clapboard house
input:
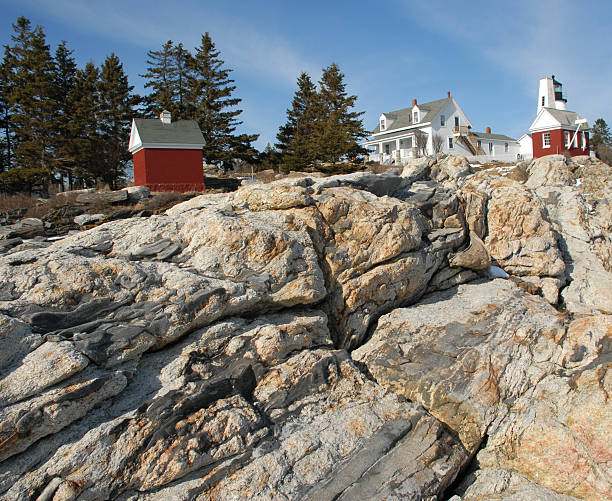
(436, 126)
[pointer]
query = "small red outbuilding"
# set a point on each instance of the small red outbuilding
(555, 129)
(167, 155)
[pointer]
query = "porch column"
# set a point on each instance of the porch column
(397, 151)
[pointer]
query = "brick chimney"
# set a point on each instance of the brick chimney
(488, 130)
(165, 117)
(414, 102)
(448, 93)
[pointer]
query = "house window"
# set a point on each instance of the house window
(450, 143)
(479, 143)
(546, 140)
(382, 124)
(490, 147)
(415, 116)
(442, 120)
(408, 142)
(566, 136)
(583, 140)
(387, 150)
(456, 121)
(505, 147)
(542, 100)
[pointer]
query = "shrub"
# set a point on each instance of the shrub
(24, 179)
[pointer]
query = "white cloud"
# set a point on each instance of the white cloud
(264, 55)
(529, 40)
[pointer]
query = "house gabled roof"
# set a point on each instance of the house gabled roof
(487, 135)
(403, 118)
(153, 133)
(552, 117)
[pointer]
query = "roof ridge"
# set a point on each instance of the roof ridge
(422, 105)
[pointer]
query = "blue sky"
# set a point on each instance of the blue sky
(489, 55)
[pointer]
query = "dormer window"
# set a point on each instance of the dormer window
(415, 117)
(383, 124)
(442, 120)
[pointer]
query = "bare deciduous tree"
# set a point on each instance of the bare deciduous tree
(421, 142)
(436, 143)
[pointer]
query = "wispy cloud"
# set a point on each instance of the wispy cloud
(266, 55)
(529, 40)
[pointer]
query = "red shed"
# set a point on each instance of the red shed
(167, 155)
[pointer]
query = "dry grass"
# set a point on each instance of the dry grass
(19, 201)
(267, 176)
(164, 200)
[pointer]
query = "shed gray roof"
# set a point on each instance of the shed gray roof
(485, 135)
(152, 130)
(403, 118)
(565, 117)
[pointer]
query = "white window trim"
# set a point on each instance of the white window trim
(383, 124)
(544, 135)
(567, 139)
(450, 143)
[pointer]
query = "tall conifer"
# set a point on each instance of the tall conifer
(85, 147)
(180, 81)
(64, 78)
(295, 137)
(338, 128)
(32, 97)
(5, 129)
(212, 105)
(160, 73)
(116, 113)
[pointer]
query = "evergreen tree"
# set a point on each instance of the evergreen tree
(180, 80)
(65, 72)
(338, 129)
(601, 134)
(167, 77)
(212, 105)
(115, 115)
(31, 97)
(83, 151)
(269, 158)
(296, 138)
(5, 129)
(601, 141)
(160, 73)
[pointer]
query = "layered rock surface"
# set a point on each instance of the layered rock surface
(329, 338)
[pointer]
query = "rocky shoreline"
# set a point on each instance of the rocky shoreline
(320, 338)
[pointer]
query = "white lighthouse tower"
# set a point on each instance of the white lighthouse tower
(551, 94)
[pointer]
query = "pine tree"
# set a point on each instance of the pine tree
(296, 138)
(601, 134)
(180, 81)
(211, 104)
(31, 97)
(269, 158)
(115, 115)
(338, 129)
(167, 77)
(601, 141)
(83, 149)
(160, 73)
(65, 72)
(5, 129)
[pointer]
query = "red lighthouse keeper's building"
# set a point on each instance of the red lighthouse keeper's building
(167, 155)
(555, 129)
